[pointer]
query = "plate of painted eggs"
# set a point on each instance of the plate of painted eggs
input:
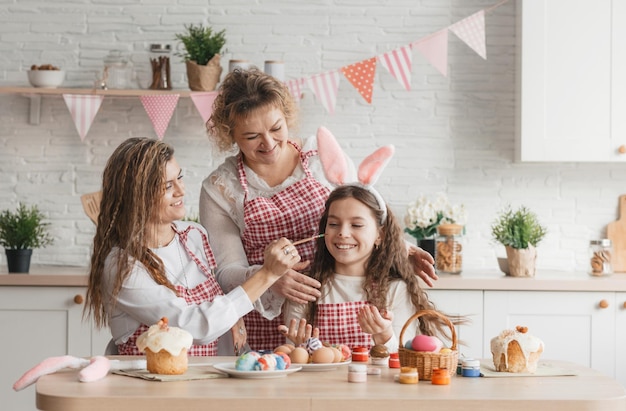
(316, 356)
(257, 365)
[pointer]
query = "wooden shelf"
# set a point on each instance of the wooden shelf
(93, 91)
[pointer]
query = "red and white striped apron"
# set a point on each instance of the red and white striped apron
(338, 324)
(205, 291)
(293, 213)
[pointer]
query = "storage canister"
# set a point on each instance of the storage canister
(160, 63)
(600, 252)
(449, 249)
(117, 70)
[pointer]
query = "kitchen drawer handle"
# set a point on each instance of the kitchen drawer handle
(603, 304)
(624, 304)
(78, 299)
(622, 149)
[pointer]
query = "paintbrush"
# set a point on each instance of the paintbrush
(315, 237)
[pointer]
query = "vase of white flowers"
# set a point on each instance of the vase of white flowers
(423, 216)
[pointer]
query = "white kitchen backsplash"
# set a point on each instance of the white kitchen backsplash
(453, 134)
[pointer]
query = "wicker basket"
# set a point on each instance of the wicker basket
(426, 361)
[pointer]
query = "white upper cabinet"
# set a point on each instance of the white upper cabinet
(571, 80)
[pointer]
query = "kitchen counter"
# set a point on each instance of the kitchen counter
(468, 280)
(330, 390)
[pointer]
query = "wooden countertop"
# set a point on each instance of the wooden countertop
(73, 276)
(330, 390)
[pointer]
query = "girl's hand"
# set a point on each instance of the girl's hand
(297, 287)
(376, 323)
(299, 331)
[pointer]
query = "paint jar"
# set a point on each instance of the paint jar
(357, 373)
(394, 360)
(360, 354)
(440, 376)
(600, 253)
(471, 368)
(408, 375)
(160, 63)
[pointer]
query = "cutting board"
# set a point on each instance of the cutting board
(616, 232)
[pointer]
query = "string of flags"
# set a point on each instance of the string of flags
(324, 86)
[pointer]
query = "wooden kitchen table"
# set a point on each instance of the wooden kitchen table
(330, 390)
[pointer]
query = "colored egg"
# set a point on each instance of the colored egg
(424, 343)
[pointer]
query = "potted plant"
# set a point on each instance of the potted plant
(423, 216)
(202, 56)
(20, 232)
(519, 231)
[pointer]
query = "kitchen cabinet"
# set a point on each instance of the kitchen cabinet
(467, 303)
(574, 326)
(571, 80)
(620, 338)
(37, 323)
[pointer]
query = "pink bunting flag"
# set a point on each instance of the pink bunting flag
(160, 108)
(435, 49)
(472, 31)
(325, 87)
(204, 103)
(83, 109)
(398, 62)
(295, 88)
(361, 75)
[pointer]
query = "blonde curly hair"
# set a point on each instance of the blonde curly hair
(241, 93)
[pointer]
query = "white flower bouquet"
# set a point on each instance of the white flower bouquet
(423, 216)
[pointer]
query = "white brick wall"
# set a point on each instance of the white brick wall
(453, 134)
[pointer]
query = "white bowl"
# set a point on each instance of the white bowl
(46, 78)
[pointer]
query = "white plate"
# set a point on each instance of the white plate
(229, 368)
(323, 367)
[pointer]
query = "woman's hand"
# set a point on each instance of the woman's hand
(376, 323)
(299, 331)
(240, 336)
(422, 263)
(280, 256)
(298, 287)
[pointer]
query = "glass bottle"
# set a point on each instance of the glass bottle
(449, 249)
(600, 253)
(117, 70)
(160, 63)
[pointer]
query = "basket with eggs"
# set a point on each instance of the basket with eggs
(426, 352)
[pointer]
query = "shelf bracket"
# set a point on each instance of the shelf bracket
(35, 109)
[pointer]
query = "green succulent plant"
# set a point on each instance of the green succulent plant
(201, 43)
(24, 229)
(518, 229)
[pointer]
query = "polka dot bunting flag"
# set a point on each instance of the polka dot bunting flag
(361, 75)
(160, 109)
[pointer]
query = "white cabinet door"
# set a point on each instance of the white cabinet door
(463, 303)
(37, 323)
(620, 338)
(564, 80)
(573, 325)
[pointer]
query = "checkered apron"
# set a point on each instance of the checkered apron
(205, 291)
(293, 213)
(338, 324)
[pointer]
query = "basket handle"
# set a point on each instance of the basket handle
(433, 313)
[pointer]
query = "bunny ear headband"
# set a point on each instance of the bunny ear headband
(336, 168)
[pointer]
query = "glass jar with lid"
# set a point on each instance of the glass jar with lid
(160, 63)
(449, 249)
(600, 253)
(117, 70)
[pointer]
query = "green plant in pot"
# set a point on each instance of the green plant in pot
(519, 231)
(20, 232)
(202, 56)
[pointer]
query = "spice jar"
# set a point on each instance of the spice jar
(160, 62)
(600, 252)
(449, 249)
(440, 376)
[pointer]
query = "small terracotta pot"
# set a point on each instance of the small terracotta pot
(522, 261)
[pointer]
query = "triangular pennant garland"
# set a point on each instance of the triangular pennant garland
(472, 31)
(435, 49)
(204, 103)
(160, 109)
(398, 62)
(295, 88)
(325, 86)
(361, 75)
(83, 109)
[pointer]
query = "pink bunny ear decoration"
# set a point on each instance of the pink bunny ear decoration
(336, 168)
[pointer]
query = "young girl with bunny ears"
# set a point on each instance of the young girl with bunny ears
(368, 288)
